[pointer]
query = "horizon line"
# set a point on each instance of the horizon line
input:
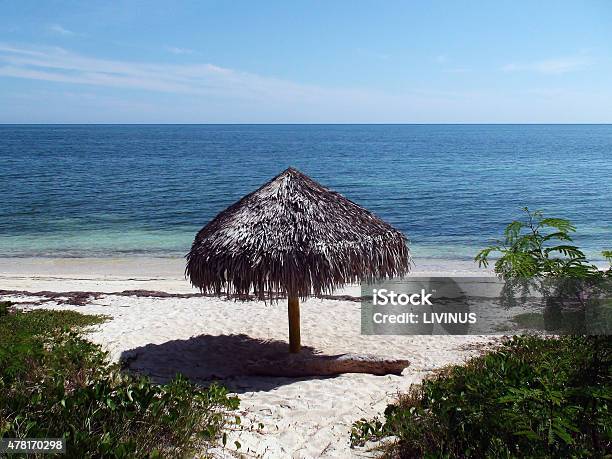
(311, 124)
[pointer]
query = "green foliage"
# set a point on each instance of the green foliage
(539, 247)
(530, 320)
(53, 383)
(4, 307)
(533, 397)
(537, 256)
(22, 336)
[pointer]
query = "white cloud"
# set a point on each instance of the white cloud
(222, 92)
(204, 92)
(176, 50)
(58, 29)
(554, 66)
(60, 65)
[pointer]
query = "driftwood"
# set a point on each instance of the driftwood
(297, 365)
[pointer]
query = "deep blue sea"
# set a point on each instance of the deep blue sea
(126, 190)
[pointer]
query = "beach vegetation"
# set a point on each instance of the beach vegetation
(539, 246)
(530, 320)
(532, 397)
(4, 307)
(54, 383)
(537, 256)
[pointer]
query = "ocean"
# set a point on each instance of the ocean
(145, 190)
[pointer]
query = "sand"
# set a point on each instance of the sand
(208, 338)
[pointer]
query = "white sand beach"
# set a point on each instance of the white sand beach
(208, 338)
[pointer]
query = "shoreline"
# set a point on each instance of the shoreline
(152, 273)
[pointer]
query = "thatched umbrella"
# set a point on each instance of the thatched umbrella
(293, 237)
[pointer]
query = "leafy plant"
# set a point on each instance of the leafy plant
(4, 307)
(537, 254)
(53, 383)
(533, 397)
(539, 246)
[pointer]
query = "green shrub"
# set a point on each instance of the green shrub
(23, 336)
(533, 397)
(541, 247)
(537, 255)
(4, 307)
(530, 320)
(53, 383)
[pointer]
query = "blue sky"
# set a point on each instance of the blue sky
(305, 61)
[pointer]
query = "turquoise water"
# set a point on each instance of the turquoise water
(128, 190)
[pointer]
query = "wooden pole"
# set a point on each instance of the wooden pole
(294, 324)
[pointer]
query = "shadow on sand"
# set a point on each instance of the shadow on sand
(207, 358)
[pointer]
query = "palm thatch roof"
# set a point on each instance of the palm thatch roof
(293, 237)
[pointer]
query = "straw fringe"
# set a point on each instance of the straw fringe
(293, 237)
